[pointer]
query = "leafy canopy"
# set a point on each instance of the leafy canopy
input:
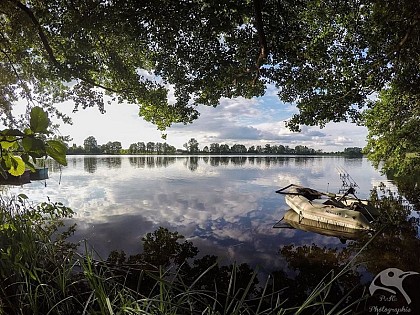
(394, 134)
(329, 57)
(53, 51)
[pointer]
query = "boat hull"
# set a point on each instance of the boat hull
(316, 210)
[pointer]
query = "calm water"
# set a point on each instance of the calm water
(226, 206)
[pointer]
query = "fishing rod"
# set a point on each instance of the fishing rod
(348, 188)
(347, 180)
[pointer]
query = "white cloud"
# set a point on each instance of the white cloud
(253, 121)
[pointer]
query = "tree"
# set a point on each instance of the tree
(394, 135)
(224, 148)
(141, 147)
(74, 149)
(192, 146)
(328, 57)
(158, 148)
(300, 149)
(150, 147)
(133, 148)
(111, 48)
(90, 145)
(168, 149)
(353, 152)
(348, 52)
(112, 147)
(281, 149)
(267, 149)
(238, 148)
(214, 148)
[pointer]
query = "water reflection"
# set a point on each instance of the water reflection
(151, 161)
(305, 267)
(90, 164)
(292, 220)
(111, 162)
(191, 163)
(409, 186)
(227, 205)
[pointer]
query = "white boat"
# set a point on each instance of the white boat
(340, 210)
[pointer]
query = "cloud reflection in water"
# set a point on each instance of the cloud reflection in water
(226, 206)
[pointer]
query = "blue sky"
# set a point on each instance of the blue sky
(255, 121)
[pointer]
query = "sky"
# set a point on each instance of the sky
(255, 121)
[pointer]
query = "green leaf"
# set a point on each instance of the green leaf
(39, 120)
(34, 146)
(28, 131)
(7, 142)
(7, 226)
(12, 132)
(25, 158)
(6, 161)
(17, 166)
(57, 150)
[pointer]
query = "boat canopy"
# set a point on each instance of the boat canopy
(308, 193)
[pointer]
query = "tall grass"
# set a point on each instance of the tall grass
(42, 273)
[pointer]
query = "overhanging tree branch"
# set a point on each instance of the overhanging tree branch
(40, 31)
(49, 50)
(261, 37)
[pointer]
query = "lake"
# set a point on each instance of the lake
(226, 206)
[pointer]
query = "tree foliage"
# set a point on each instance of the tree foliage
(58, 50)
(394, 135)
(328, 57)
(351, 52)
(21, 149)
(162, 247)
(192, 146)
(90, 145)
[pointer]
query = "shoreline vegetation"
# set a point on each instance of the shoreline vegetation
(91, 147)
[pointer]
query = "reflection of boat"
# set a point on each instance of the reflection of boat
(40, 173)
(16, 180)
(294, 220)
(339, 210)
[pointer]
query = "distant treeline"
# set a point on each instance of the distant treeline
(90, 146)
